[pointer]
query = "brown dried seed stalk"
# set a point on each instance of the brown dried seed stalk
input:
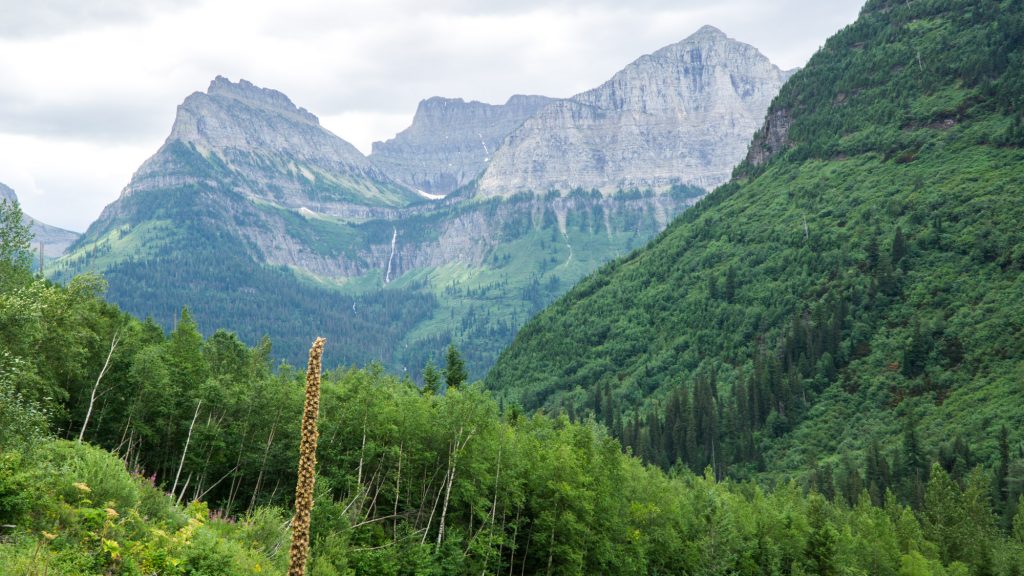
(307, 464)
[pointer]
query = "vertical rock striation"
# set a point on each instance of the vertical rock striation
(682, 115)
(451, 141)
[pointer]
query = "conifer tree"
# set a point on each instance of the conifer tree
(455, 368)
(431, 379)
(15, 250)
(899, 247)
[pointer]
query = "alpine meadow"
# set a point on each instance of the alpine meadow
(710, 317)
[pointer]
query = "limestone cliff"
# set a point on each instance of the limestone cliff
(451, 141)
(682, 115)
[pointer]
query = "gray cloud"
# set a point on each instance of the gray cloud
(35, 18)
(96, 121)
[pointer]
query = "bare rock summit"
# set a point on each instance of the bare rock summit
(682, 115)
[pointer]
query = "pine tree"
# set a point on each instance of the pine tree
(899, 247)
(729, 288)
(1002, 473)
(877, 473)
(609, 407)
(914, 464)
(15, 245)
(915, 356)
(431, 379)
(822, 546)
(872, 252)
(455, 368)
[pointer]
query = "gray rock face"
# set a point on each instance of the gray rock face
(55, 240)
(259, 143)
(772, 139)
(435, 236)
(682, 115)
(451, 141)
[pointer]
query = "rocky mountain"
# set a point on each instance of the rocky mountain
(55, 240)
(682, 115)
(254, 216)
(451, 141)
(257, 142)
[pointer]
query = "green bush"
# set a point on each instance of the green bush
(102, 474)
(22, 422)
(14, 488)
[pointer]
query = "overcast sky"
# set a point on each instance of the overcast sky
(88, 88)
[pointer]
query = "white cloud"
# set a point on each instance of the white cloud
(89, 90)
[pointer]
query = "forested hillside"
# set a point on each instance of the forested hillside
(850, 306)
(203, 436)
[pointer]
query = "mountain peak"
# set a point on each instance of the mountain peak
(242, 115)
(270, 149)
(708, 31)
(680, 115)
(255, 96)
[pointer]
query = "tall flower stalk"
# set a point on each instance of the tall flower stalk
(307, 464)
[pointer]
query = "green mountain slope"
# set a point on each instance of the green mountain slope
(859, 280)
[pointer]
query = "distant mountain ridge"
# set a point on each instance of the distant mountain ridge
(55, 240)
(451, 141)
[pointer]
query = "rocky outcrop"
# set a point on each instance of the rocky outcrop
(55, 240)
(257, 142)
(439, 236)
(772, 139)
(451, 141)
(682, 115)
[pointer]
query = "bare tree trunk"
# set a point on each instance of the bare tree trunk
(185, 451)
(551, 544)
(526, 552)
(263, 466)
(433, 508)
(183, 488)
(124, 436)
(515, 544)
(92, 396)
(497, 478)
(362, 451)
(453, 460)
(236, 481)
(398, 494)
(201, 496)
